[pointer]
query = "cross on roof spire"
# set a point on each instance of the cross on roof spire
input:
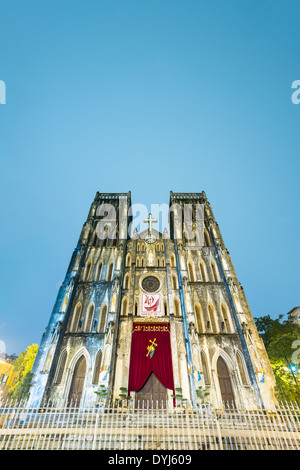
(150, 221)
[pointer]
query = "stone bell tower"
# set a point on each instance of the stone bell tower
(77, 349)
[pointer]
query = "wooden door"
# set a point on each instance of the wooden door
(77, 384)
(225, 383)
(152, 395)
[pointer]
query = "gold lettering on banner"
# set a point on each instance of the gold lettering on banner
(152, 328)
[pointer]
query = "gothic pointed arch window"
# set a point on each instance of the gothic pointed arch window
(163, 262)
(126, 283)
(226, 318)
(212, 327)
(128, 260)
(61, 367)
(97, 368)
(206, 238)
(124, 306)
(143, 262)
(89, 318)
(174, 281)
(205, 368)
(172, 260)
(165, 308)
(76, 317)
(241, 368)
(98, 271)
(88, 270)
(138, 262)
(214, 271)
(102, 318)
(158, 262)
(109, 272)
(199, 319)
(191, 271)
(138, 247)
(202, 271)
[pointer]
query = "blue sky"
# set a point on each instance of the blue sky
(146, 96)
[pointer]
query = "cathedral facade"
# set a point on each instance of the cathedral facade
(152, 315)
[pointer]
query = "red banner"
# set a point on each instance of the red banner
(150, 352)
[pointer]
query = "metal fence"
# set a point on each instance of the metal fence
(149, 428)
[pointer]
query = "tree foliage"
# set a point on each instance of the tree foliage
(280, 337)
(22, 366)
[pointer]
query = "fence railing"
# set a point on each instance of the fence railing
(148, 427)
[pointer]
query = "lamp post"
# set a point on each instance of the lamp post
(293, 369)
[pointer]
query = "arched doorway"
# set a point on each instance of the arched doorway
(225, 383)
(77, 384)
(152, 394)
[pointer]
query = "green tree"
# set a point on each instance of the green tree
(23, 365)
(279, 336)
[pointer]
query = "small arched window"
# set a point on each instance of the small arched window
(109, 272)
(97, 368)
(202, 271)
(206, 238)
(172, 260)
(126, 284)
(98, 271)
(76, 317)
(226, 320)
(174, 282)
(102, 318)
(205, 369)
(214, 271)
(88, 271)
(191, 271)
(89, 318)
(128, 260)
(212, 319)
(124, 308)
(199, 318)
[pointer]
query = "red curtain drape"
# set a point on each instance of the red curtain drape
(150, 352)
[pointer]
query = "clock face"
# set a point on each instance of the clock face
(150, 239)
(150, 284)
